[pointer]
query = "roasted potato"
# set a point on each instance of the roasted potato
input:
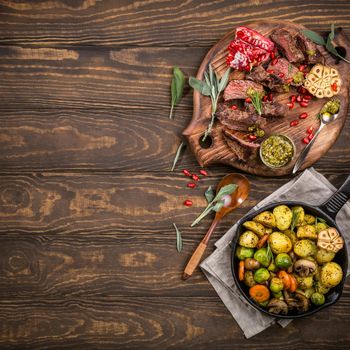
(255, 227)
(283, 217)
(321, 226)
(279, 243)
(304, 283)
(320, 288)
(248, 239)
(307, 231)
(323, 256)
(299, 213)
(309, 219)
(304, 248)
(266, 218)
(292, 236)
(331, 274)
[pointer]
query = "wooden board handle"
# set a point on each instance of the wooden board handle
(194, 261)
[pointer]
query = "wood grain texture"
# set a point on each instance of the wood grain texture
(221, 152)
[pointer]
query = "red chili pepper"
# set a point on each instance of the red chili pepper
(265, 98)
(270, 71)
(299, 98)
(289, 81)
(293, 98)
(195, 177)
(310, 130)
(294, 123)
(203, 172)
(303, 116)
(188, 203)
(334, 87)
(274, 61)
(302, 67)
(191, 185)
(252, 137)
(234, 107)
(270, 97)
(186, 172)
(304, 104)
(306, 140)
(311, 136)
(290, 105)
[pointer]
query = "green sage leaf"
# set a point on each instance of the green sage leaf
(178, 239)
(199, 85)
(228, 189)
(177, 87)
(224, 80)
(177, 155)
(218, 206)
(313, 36)
(209, 194)
(204, 213)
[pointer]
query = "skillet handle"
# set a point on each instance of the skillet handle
(332, 205)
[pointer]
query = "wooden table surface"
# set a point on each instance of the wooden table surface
(87, 201)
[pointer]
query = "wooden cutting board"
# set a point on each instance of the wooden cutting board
(219, 152)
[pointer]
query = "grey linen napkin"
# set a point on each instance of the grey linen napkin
(310, 187)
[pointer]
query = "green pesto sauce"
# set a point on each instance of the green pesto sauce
(277, 150)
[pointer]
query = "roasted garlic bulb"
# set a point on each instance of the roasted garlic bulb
(330, 239)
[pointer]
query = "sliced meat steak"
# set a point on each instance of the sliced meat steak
(283, 69)
(309, 49)
(237, 89)
(270, 109)
(238, 120)
(272, 81)
(287, 44)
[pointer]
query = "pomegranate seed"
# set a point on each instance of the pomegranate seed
(306, 140)
(294, 122)
(310, 130)
(274, 61)
(270, 71)
(188, 203)
(186, 172)
(299, 98)
(304, 74)
(293, 98)
(203, 172)
(303, 116)
(281, 75)
(311, 136)
(307, 97)
(334, 87)
(289, 81)
(195, 177)
(252, 137)
(270, 97)
(272, 54)
(302, 67)
(301, 90)
(248, 100)
(290, 105)
(234, 107)
(304, 104)
(265, 98)
(191, 185)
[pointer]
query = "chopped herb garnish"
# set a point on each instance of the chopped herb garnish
(178, 239)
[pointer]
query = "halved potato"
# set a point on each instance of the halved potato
(266, 218)
(283, 217)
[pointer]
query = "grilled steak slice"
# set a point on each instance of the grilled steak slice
(237, 89)
(287, 44)
(258, 74)
(238, 120)
(270, 109)
(272, 81)
(283, 70)
(240, 145)
(309, 49)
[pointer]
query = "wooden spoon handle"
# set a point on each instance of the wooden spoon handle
(194, 261)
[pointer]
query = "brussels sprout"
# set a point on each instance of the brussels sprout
(309, 219)
(283, 217)
(299, 213)
(318, 299)
(283, 261)
(272, 267)
(261, 275)
(291, 235)
(304, 248)
(278, 295)
(276, 285)
(324, 256)
(307, 231)
(264, 303)
(255, 227)
(304, 282)
(321, 226)
(279, 243)
(249, 278)
(263, 257)
(307, 292)
(266, 218)
(320, 288)
(242, 252)
(248, 239)
(331, 274)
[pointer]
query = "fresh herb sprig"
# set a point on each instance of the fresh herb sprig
(318, 39)
(216, 203)
(256, 98)
(212, 87)
(177, 155)
(177, 88)
(178, 238)
(295, 219)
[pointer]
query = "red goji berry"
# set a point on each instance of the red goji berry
(293, 98)
(303, 116)
(294, 123)
(290, 105)
(306, 140)
(299, 98)
(248, 100)
(304, 104)
(195, 177)
(203, 172)
(311, 136)
(302, 67)
(188, 203)
(191, 185)
(252, 137)
(234, 107)
(186, 172)
(334, 87)
(310, 130)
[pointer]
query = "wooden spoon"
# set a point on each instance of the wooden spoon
(237, 198)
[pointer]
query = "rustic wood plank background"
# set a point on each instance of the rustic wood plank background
(88, 256)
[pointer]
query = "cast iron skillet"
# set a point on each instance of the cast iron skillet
(327, 211)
